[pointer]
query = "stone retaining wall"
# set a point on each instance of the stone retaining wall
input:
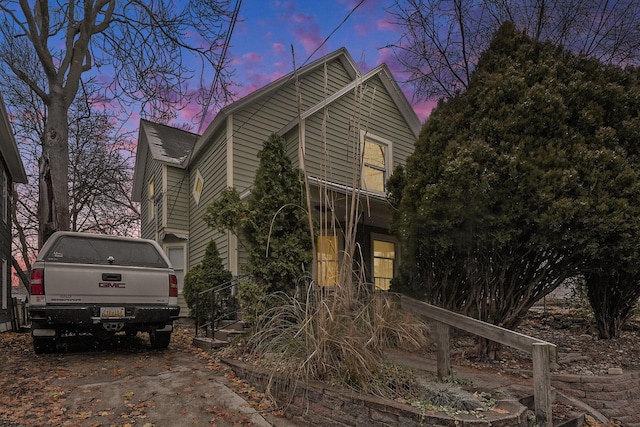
(615, 396)
(314, 405)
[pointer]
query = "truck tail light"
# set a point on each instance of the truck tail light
(36, 282)
(173, 285)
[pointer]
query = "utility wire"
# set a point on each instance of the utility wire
(223, 55)
(291, 76)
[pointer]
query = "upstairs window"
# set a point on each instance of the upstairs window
(152, 204)
(375, 167)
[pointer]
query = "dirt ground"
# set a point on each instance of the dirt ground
(580, 351)
(128, 384)
(124, 384)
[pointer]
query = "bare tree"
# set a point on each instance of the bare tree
(100, 170)
(142, 45)
(442, 39)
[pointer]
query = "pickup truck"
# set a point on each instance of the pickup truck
(87, 283)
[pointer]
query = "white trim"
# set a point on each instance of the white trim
(232, 239)
(230, 179)
(387, 80)
(151, 200)
(302, 146)
(232, 253)
(165, 196)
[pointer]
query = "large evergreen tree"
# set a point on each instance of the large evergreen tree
(273, 225)
(527, 178)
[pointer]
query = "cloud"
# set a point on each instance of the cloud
(252, 57)
(423, 108)
(386, 25)
(303, 18)
(362, 29)
(278, 48)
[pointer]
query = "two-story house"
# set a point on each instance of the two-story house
(11, 170)
(353, 129)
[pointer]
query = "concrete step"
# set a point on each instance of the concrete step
(208, 344)
(227, 334)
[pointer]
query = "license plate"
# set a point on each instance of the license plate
(111, 312)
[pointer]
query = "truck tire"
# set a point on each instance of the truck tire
(159, 340)
(44, 345)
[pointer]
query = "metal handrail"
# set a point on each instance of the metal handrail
(212, 295)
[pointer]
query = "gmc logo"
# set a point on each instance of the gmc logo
(112, 285)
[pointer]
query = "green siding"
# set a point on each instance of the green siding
(253, 125)
(177, 198)
(376, 113)
(153, 172)
(212, 166)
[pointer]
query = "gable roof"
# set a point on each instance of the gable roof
(9, 148)
(262, 95)
(382, 71)
(168, 145)
(177, 147)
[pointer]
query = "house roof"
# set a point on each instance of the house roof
(168, 145)
(9, 148)
(262, 95)
(177, 147)
(389, 83)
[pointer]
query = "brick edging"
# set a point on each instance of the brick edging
(316, 405)
(615, 396)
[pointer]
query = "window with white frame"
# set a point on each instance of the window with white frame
(152, 202)
(197, 187)
(375, 163)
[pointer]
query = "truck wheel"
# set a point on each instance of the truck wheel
(159, 339)
(43, 345)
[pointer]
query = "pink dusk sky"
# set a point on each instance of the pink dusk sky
(261, 43)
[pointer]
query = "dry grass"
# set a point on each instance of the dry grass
(321, 339)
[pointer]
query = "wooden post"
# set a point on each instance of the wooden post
(443, 353)
(541, 353)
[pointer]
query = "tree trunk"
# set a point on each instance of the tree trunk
(613, 297)
(54, 171)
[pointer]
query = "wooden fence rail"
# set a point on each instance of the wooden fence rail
(542, 353)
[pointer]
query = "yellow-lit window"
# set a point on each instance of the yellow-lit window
(375, 166)
(384, 255)
(327, 260)
(197, 187)
(151, 205)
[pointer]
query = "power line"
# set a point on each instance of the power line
(291, 76)
(223, 55)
